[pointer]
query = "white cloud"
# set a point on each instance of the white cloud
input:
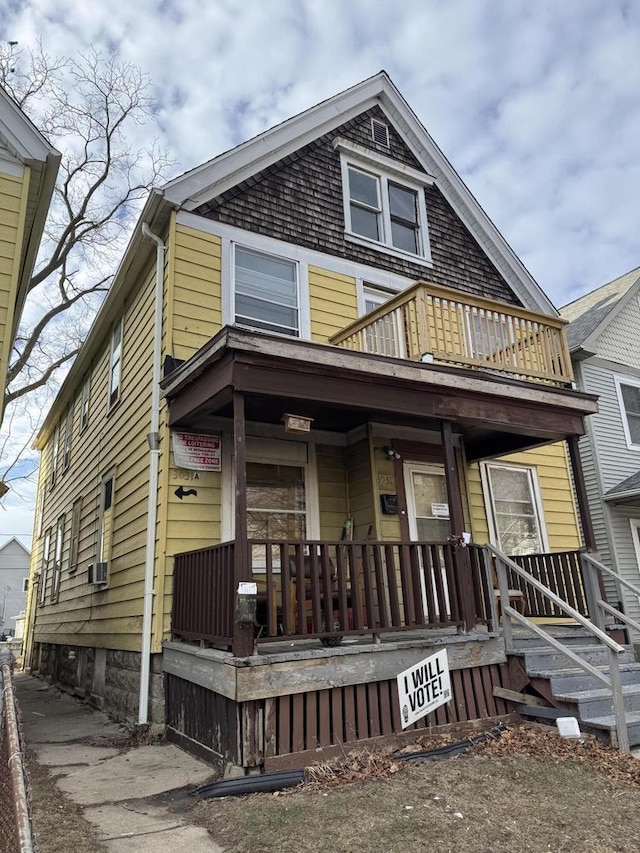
(536, 104)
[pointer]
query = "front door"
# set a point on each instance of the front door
(428, 512)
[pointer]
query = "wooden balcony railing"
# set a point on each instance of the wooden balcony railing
(426, 322)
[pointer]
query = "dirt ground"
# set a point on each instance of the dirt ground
(527, 791)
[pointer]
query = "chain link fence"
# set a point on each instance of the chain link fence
(15, 827)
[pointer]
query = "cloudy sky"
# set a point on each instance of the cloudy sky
(536, 103)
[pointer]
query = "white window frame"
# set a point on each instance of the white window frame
(58, 554)
(634, 382)
(386, 171)
(55, 447)
(278, 257)
(115, 361)
(101, 556)
(68, 432)
(635, 537)
(84, 403)
(536, 496)
(44, 569)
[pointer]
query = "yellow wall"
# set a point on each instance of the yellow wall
(13, 201)
(552, 465)
(333, 302)
(113, 440)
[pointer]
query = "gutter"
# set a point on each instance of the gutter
(153, 439)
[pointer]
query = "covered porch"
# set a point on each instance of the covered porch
(379, 589)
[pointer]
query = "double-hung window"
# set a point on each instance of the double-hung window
(68, 430)
(57, 559)
(115, 370)
(628, 390)
(514, 509)
(266, 292)
(84, 403)
(384, 202)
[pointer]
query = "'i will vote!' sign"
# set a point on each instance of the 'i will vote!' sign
(424, 687)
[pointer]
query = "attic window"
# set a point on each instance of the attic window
(380, 132)
(384, 203)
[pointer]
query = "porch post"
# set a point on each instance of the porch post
(581, 494)
(242, 632)
(456, 516)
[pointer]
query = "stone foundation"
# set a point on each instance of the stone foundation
(109, 679)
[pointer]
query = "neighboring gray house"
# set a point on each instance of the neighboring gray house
(604, 340)
(14, 577)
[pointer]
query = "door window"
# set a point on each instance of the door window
(428, 503)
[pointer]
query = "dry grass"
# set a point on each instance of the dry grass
(58, 824)
(529, 791)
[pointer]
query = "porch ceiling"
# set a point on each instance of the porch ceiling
(342, 389)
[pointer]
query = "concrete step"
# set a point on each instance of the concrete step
(574, 679)
(540, 658)
(607, 723)
(599, 702)
(532, 641)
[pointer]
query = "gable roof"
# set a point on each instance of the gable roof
(12, 542)
(589, 315)
(27, 147)
(214, 177)
(203, 183)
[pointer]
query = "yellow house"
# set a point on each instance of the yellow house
(320, 383)
(28, 169)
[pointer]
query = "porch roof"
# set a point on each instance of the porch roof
(342, 389)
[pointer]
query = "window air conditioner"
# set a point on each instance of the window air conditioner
(97, 573)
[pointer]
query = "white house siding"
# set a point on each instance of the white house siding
(14, 569)
(619, 341)
(612, 463)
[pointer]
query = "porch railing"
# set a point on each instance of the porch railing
(203, 595)
(328, 590)
(561, 572)
(427, 322)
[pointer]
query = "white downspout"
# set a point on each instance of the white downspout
(154, 458)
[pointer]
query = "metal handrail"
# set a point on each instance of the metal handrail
(607, 571)
(612, 681)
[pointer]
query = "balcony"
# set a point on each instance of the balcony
(436, 324)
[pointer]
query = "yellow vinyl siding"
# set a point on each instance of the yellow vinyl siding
(113, 441)
(332, 490)
(360, 489)
(333, 302)
(195, 259)
(556, 491)
(13, 211)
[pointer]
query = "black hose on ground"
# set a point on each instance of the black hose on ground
(267, 783)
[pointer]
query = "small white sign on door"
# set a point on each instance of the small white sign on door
(424, 687)
(440, 510)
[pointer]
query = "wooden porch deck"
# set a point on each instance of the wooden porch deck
(296, 700)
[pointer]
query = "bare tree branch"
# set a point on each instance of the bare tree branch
(92, 108)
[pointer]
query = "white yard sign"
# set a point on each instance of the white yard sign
(196, 451)
(424, 687)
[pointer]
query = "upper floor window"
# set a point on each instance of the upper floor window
(54, 455)
(266, 292)
(384, 202)
(629, 400)
(514, 509)
(115, 370)
(84, 404)
(68, 429)
(57, 559)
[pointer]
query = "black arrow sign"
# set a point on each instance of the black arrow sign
(184, 493)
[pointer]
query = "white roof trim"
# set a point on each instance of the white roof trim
(231, 168)
(22, 137)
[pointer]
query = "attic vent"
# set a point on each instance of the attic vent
(380, 132)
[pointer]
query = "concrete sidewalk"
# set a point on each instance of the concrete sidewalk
(126, 795)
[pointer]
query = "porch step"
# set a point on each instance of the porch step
(599, 702)
(573, 680)
(607, 723)
(538, 658)
(576, 638)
